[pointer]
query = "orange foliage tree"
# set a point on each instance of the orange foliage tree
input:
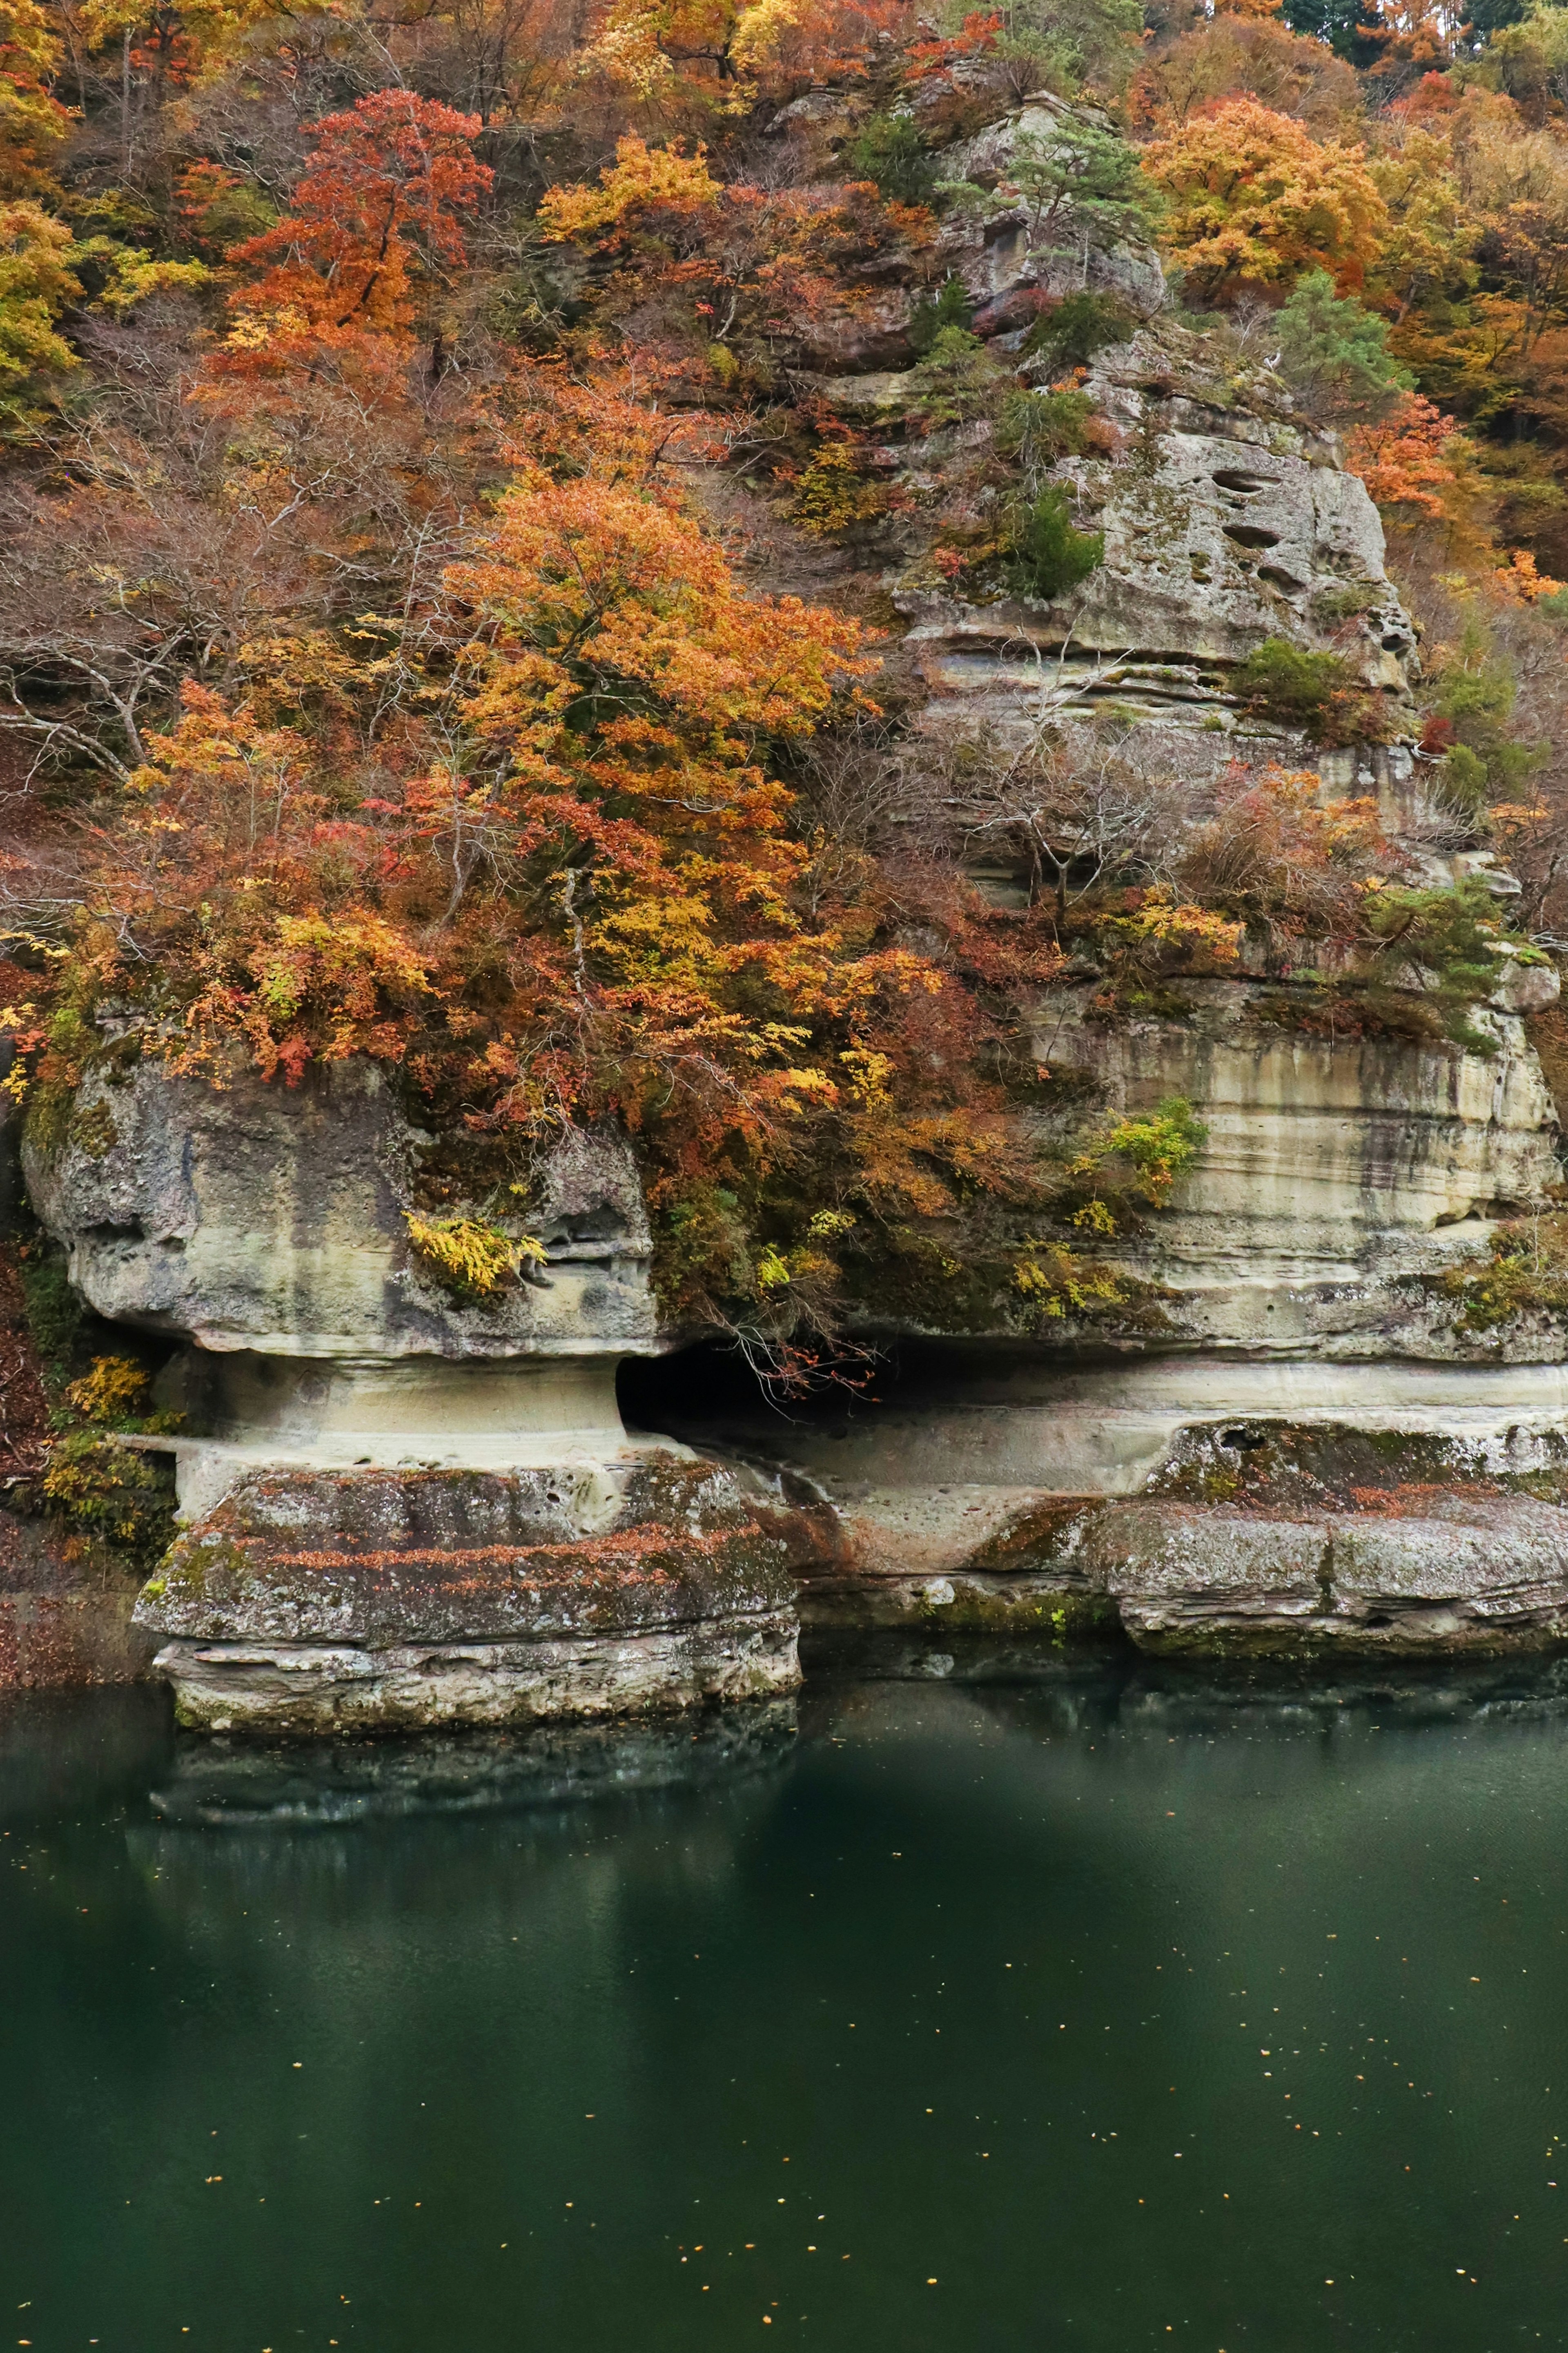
(378, 209)
(1410, 460)
(564, 881)
(715, 55)
(729, 268)
(1251, 195)
(32, 120)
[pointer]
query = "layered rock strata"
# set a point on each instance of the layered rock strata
(1230, 1506)
(1225, 523)
(310, 1602)
(1338, 1177)
(346, 1407)
(403, 1503)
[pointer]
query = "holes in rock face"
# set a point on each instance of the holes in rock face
(131, 1230)
(1378, 1618)
(1281, 578)
(1251, 535)
(1248, 1440)
(1248, 485)
(1395, 644)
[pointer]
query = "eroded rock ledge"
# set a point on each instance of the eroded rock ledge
(308, 1601)
(1303, 1541)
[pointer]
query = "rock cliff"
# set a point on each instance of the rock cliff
(309, 1602)
(408, 1502)
(1304, 1282)
(275, 1220)
(403, 1503)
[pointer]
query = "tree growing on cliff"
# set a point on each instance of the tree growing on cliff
(1253, 198)
(1083, 182)
(376, 217)
(1335, 355)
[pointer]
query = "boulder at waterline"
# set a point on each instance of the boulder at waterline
(309, 1601)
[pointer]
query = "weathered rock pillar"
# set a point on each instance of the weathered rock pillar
(403, 1505)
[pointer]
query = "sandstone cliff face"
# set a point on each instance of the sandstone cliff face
(412, 1508)
(1375, 1514)
(331, 1576)
(269, 1219)
(307, 1602)
(1336, 1170)
(1227, 522)
(1228, 516)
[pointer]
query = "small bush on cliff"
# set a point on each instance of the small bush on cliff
(951, 308)
(1317, 693)
(1130, 1165)
(1077, 328)
(107, 1501)
(122, 1498)
(1136, 1160)
(1472, 711)
(957, 383)
(472, 1259)
(888, 150)
(1048, 554)
(1447, 937)
(834, 496)
(1037, 428)
(1526, 1274)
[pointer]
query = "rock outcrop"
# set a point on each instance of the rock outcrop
(1227, 522)
(272, 1218)
(409, 1503)
(316, 1602)
(1191, 1504)
(1337, 1174)
(403, 1505)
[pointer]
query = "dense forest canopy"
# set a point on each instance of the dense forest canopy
(404, 413)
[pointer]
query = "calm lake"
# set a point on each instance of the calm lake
(1109, 2009)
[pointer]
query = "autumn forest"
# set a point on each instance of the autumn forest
(444, 618)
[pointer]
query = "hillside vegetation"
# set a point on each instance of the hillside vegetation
(410, 420)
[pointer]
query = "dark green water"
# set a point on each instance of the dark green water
(1126, 2012)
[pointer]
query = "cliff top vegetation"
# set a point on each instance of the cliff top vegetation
(443, 579)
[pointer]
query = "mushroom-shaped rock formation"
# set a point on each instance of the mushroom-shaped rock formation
(406, 1500)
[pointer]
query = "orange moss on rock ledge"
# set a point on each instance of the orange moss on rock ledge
(382, 1557)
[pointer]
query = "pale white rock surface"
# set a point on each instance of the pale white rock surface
(1336, 1170)
(995, 255)
(255, 1216)
(1224, 526)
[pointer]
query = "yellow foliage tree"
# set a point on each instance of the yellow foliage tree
(1252, 196)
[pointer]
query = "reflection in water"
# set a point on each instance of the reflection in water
(1125, 2005)
(236, 1783)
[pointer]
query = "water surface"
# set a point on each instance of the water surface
(1108, 2009)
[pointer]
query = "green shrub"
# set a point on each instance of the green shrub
(1036, 428)
(1048, 554)
(1079, 325)
(1527, 1273)
(54, 1312)
(1475, 695)
(1335, 353)
(888, 149)
(120, 1496)
(1451, 934)
(1318, 693)
(951, 308)
(957, 382)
